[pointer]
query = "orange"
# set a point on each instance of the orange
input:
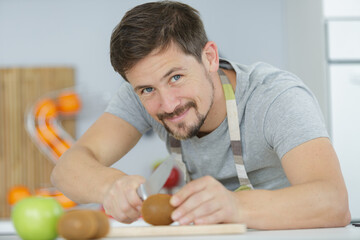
(45, 108)
(16, 193)
(65, 202)
(68, 102)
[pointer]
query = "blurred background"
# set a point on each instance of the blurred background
(316, 39)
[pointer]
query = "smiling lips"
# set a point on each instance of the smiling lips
(179, 117)
(178, 114)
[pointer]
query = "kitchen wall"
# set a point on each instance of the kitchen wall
(77, 33)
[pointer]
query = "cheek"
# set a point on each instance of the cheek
(203, 97)
(152, 107)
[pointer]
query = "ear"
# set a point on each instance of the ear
(210, 56)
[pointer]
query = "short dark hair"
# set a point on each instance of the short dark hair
(156, 25)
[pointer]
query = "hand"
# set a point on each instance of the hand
(205, 201)
(121, 200)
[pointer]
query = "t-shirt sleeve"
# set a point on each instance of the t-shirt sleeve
(126, 105)
(293, 118)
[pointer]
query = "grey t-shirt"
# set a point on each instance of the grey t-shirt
(277, 112)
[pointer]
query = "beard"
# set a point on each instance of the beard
(185, 130)
(182, 130)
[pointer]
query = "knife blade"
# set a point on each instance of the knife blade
(157, 180)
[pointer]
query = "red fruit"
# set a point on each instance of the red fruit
(173, 179)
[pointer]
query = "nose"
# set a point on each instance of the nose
(168, 101)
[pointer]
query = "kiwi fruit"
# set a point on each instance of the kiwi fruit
(156, 209)
(83, 224)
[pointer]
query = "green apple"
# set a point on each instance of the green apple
(36, 218)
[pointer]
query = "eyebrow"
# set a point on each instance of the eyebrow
(168, 73)
(171, 71)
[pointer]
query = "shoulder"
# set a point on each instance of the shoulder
(261, 77)
(123, 100)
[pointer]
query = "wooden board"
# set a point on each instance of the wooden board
(20, 160)
(151, 231)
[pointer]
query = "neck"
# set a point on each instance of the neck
(217, 113)
(231, 74)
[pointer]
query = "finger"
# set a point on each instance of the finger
(191, 204)
(215, 217)
(122, 211)
(114, 211)
(130, 212)
(139, 179)
(188, 190)
(134, 200)
(120, 217)
(134, 203)
(130, 191)
(120, 208)
(220, 210)
(131, 205)
(205, 209)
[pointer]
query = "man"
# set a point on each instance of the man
(235, 126)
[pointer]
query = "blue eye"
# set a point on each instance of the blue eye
(175, 78)
(147, 90)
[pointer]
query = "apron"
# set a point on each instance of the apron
(234, 131)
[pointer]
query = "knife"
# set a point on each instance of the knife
(157, 180)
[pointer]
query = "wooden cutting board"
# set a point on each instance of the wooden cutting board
(151, 231)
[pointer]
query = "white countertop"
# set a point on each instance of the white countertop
(7, 232)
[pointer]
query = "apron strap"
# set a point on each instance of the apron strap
(175, 149)
(234, 131)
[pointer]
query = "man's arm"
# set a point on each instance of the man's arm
(84, 175)
(317, 196)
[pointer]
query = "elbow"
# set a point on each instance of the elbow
(341, 219)
(347, 218)
(340, 211)
(343, 216)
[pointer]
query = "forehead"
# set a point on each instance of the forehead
(158, 63)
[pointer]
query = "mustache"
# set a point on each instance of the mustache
(177, 111)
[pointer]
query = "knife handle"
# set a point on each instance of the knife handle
(141, 191)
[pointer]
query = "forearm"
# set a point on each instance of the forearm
(310, 205)
(81, 177)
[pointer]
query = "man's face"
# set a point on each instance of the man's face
(175, 89)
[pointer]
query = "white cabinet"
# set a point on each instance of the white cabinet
(343, 38)
(345, 116)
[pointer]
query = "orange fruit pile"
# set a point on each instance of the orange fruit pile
(64, 201)
(19, 192)
(16, 193)
(66, 103)
(46, 111)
